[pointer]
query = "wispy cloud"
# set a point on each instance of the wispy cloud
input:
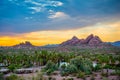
(28, 18)
(37, 5)
(40, 6)
(58, 15)
(36, 9)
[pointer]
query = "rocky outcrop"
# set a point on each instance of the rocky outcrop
(94, 41)
(24, 44)
(90, 40)
(72, 41)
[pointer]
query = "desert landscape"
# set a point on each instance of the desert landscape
(59, 39)
(74, 59)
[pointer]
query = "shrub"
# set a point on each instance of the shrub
(27, 65)
(71, 69)
(12, 77)
(49, 71)
(76, 61)
(63, 73)
(66, 70)
(97, 67)
(1, 76)
(107, 67)
(12, 67)
(113, 73)
(82, 64)
(81, 75)
(51, 65)
(63, 67)
(87, 69)
(118, 72)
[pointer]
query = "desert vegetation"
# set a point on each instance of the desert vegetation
(74, 64)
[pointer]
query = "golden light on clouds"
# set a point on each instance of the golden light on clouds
(106, 31)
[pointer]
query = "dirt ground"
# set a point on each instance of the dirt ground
(57, 76)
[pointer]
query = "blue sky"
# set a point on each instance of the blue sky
(21, 16)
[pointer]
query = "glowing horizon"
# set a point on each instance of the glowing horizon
(107, 33)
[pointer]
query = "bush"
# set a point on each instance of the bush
(97, 67)
(118, 72)
(82, 64)
(63, 73)
(66, 70)
(63, 67)
(71, 69)
(12, 67)
(12, 77)
(81, 75)
(107, 66)
(51, 65)
(76, 61)
(27, 65)
(49, 71)
(1, 76)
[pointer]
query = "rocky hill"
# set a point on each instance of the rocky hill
(24, 44)
(91, 40)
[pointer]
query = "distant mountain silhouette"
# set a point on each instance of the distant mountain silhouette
(91, 40)
(117, 43)
(24, 44)
(50, 45)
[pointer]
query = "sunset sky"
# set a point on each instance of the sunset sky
(53, 21)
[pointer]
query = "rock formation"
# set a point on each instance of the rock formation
(91, 40)
(24, 44)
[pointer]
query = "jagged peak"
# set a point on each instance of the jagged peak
(74, 38)
(89, 38)
(91, 35)
(96, 36)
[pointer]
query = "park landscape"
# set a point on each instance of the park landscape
(74, 59)
(59, 39)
